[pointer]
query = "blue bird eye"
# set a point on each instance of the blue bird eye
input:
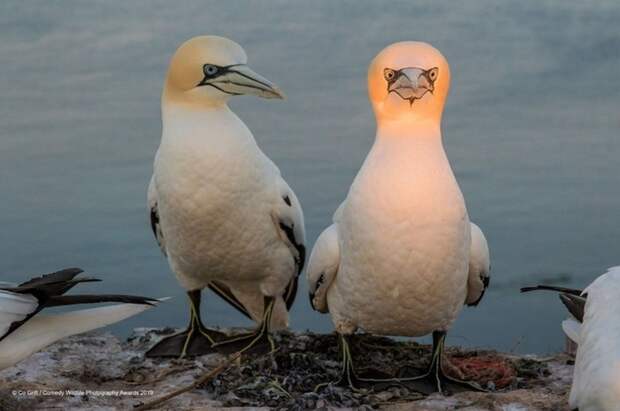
(210, 69)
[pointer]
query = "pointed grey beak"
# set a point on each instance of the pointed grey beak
(240, 79)
(411, 83)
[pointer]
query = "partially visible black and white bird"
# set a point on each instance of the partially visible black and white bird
(23, 331)
(593, 325)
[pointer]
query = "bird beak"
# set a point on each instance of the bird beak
(412, 83)
(240, 79)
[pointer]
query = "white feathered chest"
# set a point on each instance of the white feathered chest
(216, 191)
(404, 240)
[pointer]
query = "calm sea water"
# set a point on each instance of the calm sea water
(531, 129)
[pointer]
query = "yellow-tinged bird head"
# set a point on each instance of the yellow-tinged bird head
(408, 81)
(210, 69)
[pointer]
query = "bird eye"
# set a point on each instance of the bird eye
(432, 73)
(389, 74)
(210, 69)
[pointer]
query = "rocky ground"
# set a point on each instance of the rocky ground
(99, 372)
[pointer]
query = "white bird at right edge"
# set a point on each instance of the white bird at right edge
(401, 257)
(594, 324)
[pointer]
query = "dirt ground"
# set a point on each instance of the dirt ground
(99, 372)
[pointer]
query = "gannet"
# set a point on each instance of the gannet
(23, 331)
(401, 257)
(220, 210)
(594, 325)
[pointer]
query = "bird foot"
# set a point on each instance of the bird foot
(189, 343)
(258, 342)
(434, 380)
(366, 379)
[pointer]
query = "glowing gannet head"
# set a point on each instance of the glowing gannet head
(211, 69)
(408, 81)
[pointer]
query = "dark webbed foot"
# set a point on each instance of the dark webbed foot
(435, 379)
(355, 380)
(195, 340)
(189, 343)
(257, 342)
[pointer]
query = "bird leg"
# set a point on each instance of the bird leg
(195, 340)
(258, 341)
(349, 377)
(435, 380)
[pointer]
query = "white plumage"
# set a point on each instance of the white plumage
(397, 261)
(479, 266)
(23, 331)
(43, 330)
(220, 209)
(593, 325)
(323, 267)
(572, 329)
(325, 259)
(596, 379)
(401, 257)
(15, 307)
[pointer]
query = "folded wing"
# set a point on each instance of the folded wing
(479, 267)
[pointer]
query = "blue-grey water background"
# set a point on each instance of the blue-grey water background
(531, 130)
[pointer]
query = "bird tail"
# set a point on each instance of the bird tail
(575, 304)
(254, 303)
(251, 302)
(573, 299)
(279, 317)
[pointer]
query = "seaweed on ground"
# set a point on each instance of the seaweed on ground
(289, 377)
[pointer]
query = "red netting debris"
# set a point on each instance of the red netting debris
(483, 369)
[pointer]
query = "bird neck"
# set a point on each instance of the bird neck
(198, 128)
(173, 96)
(176, 113)
(409, 129)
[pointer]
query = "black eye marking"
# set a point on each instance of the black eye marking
(389, 74)
(411, 83)
(432, 73)
(287, 200)
(213, 71)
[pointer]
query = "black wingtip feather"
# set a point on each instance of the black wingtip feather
(543, 287)
(574, 304)
(49, 290)
(290, 293)
(154, 220)
(60, 300)
(55, 277)
(301, 249)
